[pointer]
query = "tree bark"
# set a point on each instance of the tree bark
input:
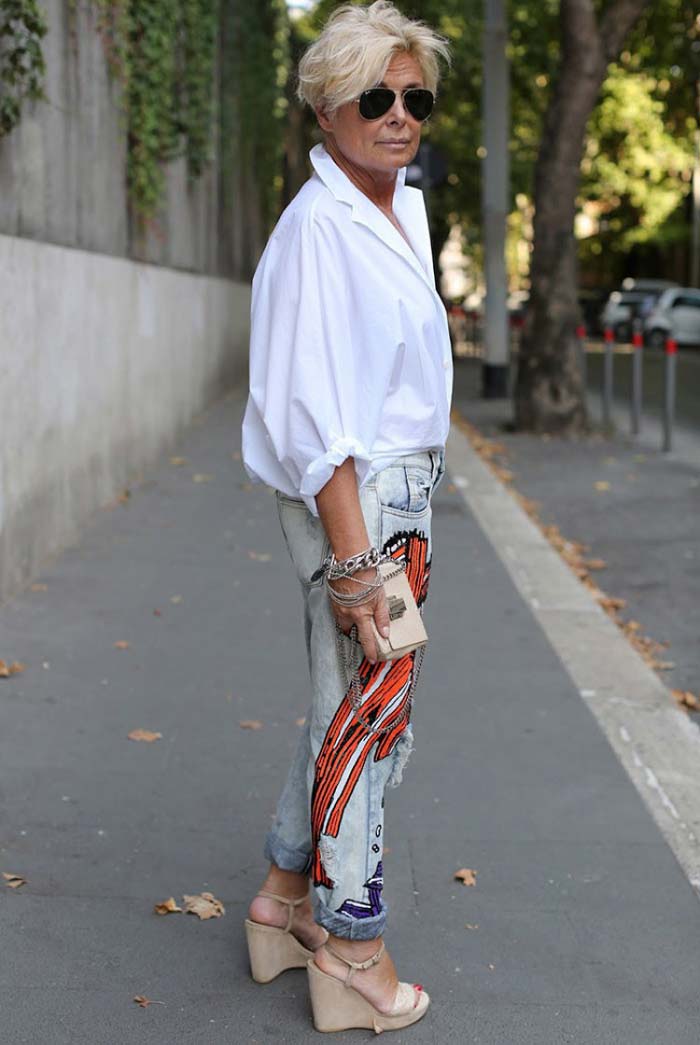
(549, 394)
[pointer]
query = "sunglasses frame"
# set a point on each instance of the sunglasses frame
(406, 90)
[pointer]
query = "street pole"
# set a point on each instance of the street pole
(495, 181)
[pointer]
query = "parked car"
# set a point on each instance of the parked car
(676, 314)
(636, 299)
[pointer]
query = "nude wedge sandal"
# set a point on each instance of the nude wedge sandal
(337, 1006)
(273, 950)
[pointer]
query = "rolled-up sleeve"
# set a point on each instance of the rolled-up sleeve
(320, 365)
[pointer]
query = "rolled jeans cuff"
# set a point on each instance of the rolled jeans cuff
(285, 857)
(349, 928)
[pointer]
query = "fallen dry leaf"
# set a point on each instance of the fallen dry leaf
(122, 644)
(300, 721)
(685, 699)
(38, 587)
(157, 613)
(176, 599)
(468, 926)
(15, 668)
(14, 881)
(572, 551)
(247, 486)
(124, 497)
(466, 876)
(177, 461)
(595, 564)
(236, 455)
(260, 556)
(250, 723)
(144, 734)
(204, 905)
(144, 1002)
(504, 474)
(202, 477)
(167, 907)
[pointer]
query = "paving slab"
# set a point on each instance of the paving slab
(582, 927)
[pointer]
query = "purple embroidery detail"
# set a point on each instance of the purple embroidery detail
(371, 908)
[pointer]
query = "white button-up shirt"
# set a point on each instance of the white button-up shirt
(349, 350)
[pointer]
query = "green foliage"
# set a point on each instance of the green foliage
(163, 53)
(263, 71)
(636, 170)
(22, 28)
(150, 95)
(200, 19)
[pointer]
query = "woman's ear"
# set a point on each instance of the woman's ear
(324, 122)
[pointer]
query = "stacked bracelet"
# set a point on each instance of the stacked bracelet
(345, 599)
(332, 569)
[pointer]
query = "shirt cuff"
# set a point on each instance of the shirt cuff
(321, 469)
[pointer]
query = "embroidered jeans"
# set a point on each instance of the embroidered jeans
(330, 817)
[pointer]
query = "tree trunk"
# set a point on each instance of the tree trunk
(549, 394)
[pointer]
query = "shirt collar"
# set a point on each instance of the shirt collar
(337, 180)
(366, 213)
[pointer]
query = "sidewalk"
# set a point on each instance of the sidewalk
(581, 929)
(635, 507)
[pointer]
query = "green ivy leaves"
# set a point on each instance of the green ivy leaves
(179, 85)
(22, 28)
(164, 55)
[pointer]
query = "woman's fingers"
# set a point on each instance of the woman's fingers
(362, 617)
(366, 637)
(381, 615)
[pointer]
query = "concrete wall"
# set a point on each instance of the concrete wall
(103, 361)
(63, 169)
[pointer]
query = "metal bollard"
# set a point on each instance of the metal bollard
(637, 377)
(608, 363)
(582, 361)
(670, 392)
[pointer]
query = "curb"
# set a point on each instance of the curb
(657, 743)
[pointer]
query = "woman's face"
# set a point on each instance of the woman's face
(386, 144)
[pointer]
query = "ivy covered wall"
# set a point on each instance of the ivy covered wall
(151, 130)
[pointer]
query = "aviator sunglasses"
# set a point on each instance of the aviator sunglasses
(377, 101)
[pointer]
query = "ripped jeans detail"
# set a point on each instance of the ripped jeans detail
(330, 816)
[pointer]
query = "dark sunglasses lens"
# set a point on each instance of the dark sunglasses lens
(419, 103)
(376, 102)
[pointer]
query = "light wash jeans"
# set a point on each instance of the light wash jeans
(330, 817)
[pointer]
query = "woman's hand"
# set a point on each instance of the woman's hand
(375, 609)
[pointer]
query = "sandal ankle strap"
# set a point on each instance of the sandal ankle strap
(291, 904)
(357, 966)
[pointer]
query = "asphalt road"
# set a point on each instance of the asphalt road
(687, 379)
(581, 929)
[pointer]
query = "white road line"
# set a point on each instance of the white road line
(656, 742)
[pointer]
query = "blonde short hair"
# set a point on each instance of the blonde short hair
(355, 48)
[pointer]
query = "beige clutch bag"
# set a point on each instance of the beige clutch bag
(406, 630)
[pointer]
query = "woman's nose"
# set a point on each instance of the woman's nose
(397, 113)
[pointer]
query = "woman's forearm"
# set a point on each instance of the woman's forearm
(340, 512)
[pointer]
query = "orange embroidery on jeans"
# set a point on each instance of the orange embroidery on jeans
(347, 743)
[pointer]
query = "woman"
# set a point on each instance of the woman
(348, 413)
